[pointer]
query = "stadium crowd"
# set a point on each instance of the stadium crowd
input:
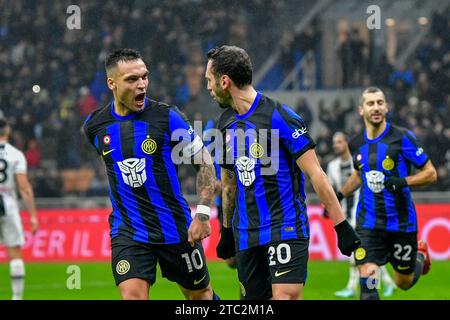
(65, 69)
(419, 98)
(37, 49)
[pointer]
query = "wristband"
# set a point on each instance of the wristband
(202, 209)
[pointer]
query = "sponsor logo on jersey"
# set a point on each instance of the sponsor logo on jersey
(375, 180)
(246, 170)
(299, 132)
(133, 171)
(419, 152)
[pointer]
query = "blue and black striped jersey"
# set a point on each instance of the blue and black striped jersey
(270, 199)
(392, 153)
(145, 193)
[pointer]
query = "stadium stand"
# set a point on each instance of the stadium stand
(68, 67)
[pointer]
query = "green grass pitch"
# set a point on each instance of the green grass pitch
(48, 282)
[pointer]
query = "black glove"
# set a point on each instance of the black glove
(339, 196)
(226, 249)
(395, 184)
(348, 240)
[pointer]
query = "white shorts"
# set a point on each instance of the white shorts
(11, 231)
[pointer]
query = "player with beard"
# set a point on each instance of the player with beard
(338, 171)
(386, 219)
(263, 198)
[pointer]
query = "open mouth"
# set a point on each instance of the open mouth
(139, 99)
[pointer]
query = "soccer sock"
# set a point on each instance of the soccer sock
(368, 289)
(420, 261)
(215, 296)
(385, 277)
(353, 278)
(17, 273)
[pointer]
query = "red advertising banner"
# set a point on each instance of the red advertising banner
(434, 228)
(67, 235)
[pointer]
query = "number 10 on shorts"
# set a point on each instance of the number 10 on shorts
(195, 259)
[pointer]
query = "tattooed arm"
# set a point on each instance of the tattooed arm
(228, 196)
(200, 227)
(206, 181)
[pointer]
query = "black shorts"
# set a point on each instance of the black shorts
(180, 263)
(277, 262)
(381, 247)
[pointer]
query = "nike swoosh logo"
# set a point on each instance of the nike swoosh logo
(196, 282)
(279, 274)
(109, 151)
(402, 268)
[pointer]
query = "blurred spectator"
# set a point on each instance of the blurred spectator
(381, 72)
(304, 111)
(324, 146)
(87, 102)
(404, 74)
(357, 47)
(33, 154)
(46, 182)
(345, 55)
(36, 48)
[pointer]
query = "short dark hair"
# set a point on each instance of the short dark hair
(233, 62)
(368, 90)
(125, 54)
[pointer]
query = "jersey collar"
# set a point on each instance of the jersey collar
(381, 136)
(128, 116)
(252, 108)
